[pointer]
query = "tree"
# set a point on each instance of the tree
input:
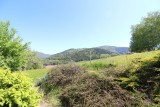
(33, 61)
(12, 51)
(146, 35)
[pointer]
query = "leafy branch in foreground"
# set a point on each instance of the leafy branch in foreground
(16, 90)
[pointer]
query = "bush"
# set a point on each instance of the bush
(16, 90)
(143, 77)
(82, 89)
(59, 76)
(90, 91)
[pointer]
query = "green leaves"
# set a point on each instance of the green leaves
(12, 51)
(144, 79)
(146, 35)
(16, 90)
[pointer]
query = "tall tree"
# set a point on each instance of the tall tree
(146, 35)
(12, 51)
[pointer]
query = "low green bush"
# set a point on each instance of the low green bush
(143, 77)
(16, 90)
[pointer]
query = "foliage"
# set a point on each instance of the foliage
(12, 51)
(82, 89)
(2, 62)
(52, 99)
(33, 61)
(144, 77)
(146, 35)
(62, 74)
(98, 65)
(16, 90)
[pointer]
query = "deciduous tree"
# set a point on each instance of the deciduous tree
(12, 50)
(146, 35)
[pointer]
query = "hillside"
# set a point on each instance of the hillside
(120, 61)
(118, 50)
(77, 55)
(83, 54)
(43, 55)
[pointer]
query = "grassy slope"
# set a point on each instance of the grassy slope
(121, 60)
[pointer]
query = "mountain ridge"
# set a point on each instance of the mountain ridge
(43, 55)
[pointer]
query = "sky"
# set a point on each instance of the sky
(53, 26)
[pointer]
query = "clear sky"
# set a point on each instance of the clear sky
(56, 25)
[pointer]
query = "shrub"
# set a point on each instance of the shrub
(82, 89)
(16, 90)
(143, 77)
(59, 76)
(90, 91)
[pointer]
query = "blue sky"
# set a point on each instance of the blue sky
(56, 25)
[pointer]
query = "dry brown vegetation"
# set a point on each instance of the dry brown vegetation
(82, 89)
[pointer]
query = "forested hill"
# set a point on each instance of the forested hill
(114, 49)
(43, 55)
(82, 54)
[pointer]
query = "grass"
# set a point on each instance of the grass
(118, 61)
(37, 74)
(52, 97)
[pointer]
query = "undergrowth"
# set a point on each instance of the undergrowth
(143, 77)
(82, 89)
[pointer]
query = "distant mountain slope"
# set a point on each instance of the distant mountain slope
(118, 50)
(43, 55)
(81, 54)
